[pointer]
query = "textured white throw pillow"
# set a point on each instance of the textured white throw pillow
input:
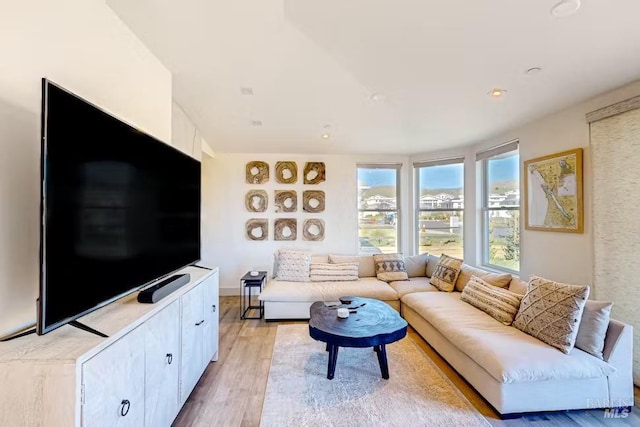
(293, 265)
(497, 302)
(551, 311)
(325, 272)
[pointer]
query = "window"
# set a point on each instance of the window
(378, 208)
(439, 207)
(501, 206)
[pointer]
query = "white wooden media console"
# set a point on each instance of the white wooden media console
(140, 376)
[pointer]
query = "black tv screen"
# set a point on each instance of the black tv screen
(120, 209)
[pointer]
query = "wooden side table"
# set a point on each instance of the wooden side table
(249, 300)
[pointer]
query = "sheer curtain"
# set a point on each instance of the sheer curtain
(615, 150)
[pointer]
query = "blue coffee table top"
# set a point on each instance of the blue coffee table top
(374, 323)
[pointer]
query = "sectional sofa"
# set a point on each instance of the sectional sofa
(513, 371)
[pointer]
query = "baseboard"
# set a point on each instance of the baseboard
(229, 292)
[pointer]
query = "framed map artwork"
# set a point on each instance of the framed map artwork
(553, 192)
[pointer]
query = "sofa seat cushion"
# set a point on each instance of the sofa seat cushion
(414, 284)
(506, 353)
(366, 287)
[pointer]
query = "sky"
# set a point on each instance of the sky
(445, 176)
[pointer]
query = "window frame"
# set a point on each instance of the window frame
(397, 210)
(484, 157)
(416, 171)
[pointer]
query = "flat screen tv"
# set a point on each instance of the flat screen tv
(120, 209)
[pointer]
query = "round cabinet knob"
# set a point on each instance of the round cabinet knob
(124, 407)
(169, 358)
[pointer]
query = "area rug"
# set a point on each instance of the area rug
(417, 393)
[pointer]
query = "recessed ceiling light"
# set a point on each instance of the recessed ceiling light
(246, 91)
(326, 136)
(533, 71)
(256, 122)
(496, 93)
(376, 97)
(565, 8)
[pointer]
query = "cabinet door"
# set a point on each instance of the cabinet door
(162, 362)
(113, 384)
(191, 323)
(211, 314)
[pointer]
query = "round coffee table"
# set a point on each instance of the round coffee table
(371, 323)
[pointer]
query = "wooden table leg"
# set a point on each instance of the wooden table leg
(333, 358)
(381, 351)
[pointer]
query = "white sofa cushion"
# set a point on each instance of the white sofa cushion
(414, 284)
(518, 286)
(501, 280)
(593, 327)
(416, 265)
(366, 266)
(366, 287)
(505, 352)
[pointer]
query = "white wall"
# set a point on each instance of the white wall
(83, 46)
(224, 215)
(564, 257)
(185, 136)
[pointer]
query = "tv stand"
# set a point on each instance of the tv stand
(141, 375)
(87, 328)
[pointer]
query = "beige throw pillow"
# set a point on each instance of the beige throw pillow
(551, 311)
(293, 266)
(390, 267)
(446, 273)
(500, 280)
(593, 327)
(497, 302)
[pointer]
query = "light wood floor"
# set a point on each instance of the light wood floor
(231, 391)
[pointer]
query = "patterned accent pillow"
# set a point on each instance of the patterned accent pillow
(497, 302)
(551, 311)
(293, 265)
(390, 267)
(446, 273)
(347, 271)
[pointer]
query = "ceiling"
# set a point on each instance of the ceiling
(314, 66)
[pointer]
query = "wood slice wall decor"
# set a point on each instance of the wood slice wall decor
(285, 229)
(286, 172)
(313, 229)
(313, 201)
(257, 229)
(286, 201)
(257, 172)
(314, 172)
(256, 201)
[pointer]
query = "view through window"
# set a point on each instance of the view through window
(501, 206)
(440, 207)
(378, 212)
